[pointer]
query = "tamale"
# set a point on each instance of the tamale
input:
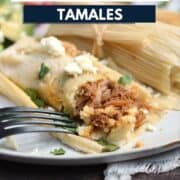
(107, 107)
(155, 63)
(121, 33)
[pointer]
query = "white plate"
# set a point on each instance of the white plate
(35, 148)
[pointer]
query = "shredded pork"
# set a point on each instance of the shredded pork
(103, 94)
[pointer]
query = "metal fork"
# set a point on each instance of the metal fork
(18, 120)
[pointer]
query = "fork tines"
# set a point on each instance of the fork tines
(10, 110)
(16, 120)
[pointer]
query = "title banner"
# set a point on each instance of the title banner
(89, 14)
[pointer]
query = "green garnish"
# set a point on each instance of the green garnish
(124, 80)
(72, 129)
(67, 111)
(33, 94)
(108, 147)
(29, 29)
(43, 71)
(163, 4)
(1, 47)
(58, 152)
(39, 102)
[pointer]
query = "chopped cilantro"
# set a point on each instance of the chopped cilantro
(1, 47)
(108, 147)
(125, 79)
(58, 152)
(33, 94)
(72, 129)
(29, 29)
(43, 71)
(67, 111)
(39, 102)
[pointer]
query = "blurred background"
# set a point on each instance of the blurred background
(11, 18)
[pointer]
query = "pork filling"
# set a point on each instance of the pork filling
(110, 103)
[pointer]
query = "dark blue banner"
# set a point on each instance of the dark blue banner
(90, 14)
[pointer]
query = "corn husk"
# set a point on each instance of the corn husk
(119, 33)
(169, 17)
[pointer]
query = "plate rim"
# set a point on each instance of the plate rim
(88, 159)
